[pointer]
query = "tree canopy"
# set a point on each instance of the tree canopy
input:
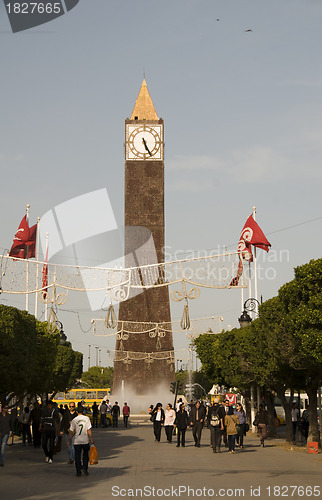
(32, 361)
(280, 350)
(98, 376)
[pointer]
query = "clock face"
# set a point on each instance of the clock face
(144, 142)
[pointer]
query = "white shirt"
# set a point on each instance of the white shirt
(170, 416)
(158, 415)
(80, 425)
(295, 414)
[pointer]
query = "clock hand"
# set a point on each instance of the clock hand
(146, 146)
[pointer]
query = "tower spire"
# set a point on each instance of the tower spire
(144, 108)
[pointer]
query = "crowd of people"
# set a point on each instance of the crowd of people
(227, 423)
(49, 426)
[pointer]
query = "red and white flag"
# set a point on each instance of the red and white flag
(24, 242)
(22, 235)
(251, 235)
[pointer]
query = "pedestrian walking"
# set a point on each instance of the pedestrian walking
(35, 416)
(103, 411)
(215, 417)
(225, 406)
(178, 403)
(197, 418)
(126, 414)
(295, 414)
(49, 424)
(240, 412)
(231, 422)
(305, 423)
(157, 417)
(95, 414)
(182, 424)
(115, 414)
(80, 427)
(68, 416)
(6, 430)
(261, 421)
(169, 418)
(25, 426)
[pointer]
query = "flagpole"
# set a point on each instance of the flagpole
(37, 269)
(46, 258)
(255, 268)
(27, 264)
(249, 279)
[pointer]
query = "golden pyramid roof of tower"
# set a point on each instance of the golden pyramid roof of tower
(144, 108)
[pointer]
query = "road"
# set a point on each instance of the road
(132, 465)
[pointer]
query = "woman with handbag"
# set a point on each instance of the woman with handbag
(240, 412)
(231, 423)
(261, 421)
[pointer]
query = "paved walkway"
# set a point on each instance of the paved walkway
(130, 459)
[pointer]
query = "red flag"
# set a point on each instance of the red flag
(24, 242)
(31, 243)
(235, 281)
(22, 235)
(252, 235)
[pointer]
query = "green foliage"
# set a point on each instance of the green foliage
(68, 368)
(18, 347)
(302, 300)
(197, 377)
(44, 363)
(280, 350)
(98, 376)
(31, 359)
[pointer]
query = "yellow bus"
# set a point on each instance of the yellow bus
(88, 396)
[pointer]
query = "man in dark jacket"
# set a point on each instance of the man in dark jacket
(49, 423)
(197, 418)
(68, 416)
(35, 416)
(6, 430)
(216, 416)
(115, 414)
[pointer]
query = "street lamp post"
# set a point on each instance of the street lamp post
(245, 320)
(63, 337)
(249, 306)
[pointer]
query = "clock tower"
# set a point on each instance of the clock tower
(144, 357)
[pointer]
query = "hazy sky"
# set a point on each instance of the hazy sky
(242, 112)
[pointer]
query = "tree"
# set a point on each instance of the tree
(45, 359)
(281, 350)
(98, 377)
(68, 368)
(302, 301)
(18, 346)
(31, 359)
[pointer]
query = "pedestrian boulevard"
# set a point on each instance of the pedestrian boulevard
(132, 465)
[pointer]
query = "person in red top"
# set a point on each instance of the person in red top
(126, 414)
